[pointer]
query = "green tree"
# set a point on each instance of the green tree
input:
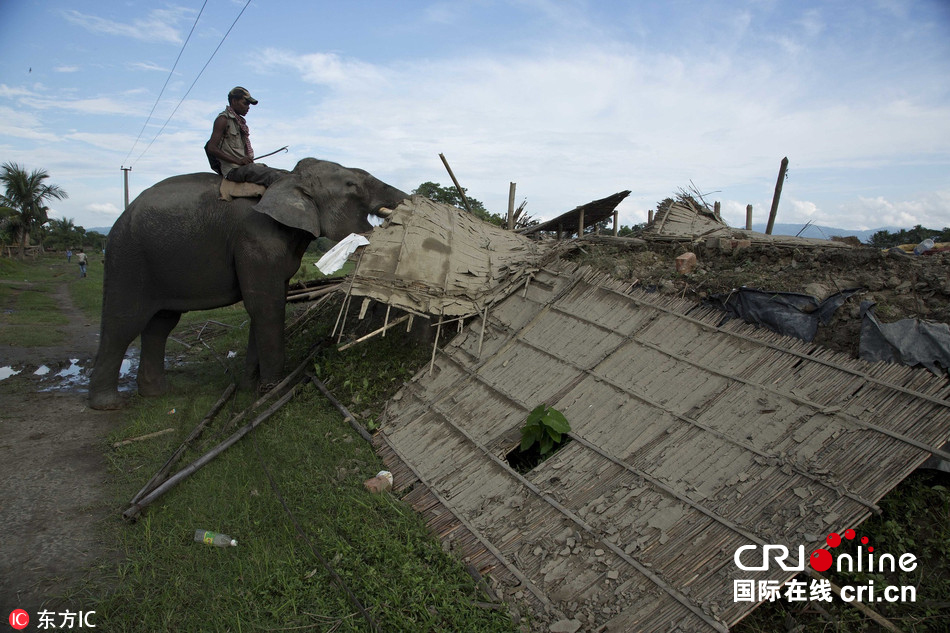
(27, 194)
(450, 195)
(886, 239)
(63, 233)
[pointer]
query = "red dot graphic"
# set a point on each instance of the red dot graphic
(820, 560)
(849, 534)
(870, 549)
(833, 540)
(864, 540)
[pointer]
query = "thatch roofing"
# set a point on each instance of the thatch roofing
(594, 212)
(686, 220)
(432, 258)
(690, 439)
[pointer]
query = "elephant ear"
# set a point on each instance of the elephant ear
(287, 202)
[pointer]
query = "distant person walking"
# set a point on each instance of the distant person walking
(81, 258)
(69, 255)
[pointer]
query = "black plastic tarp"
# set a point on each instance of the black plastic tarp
(908, 341)
(789, 313)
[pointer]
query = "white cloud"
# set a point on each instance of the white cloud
(18, 123)
(66, 69)
(158, 26)
(931, 210)
(323, 68)
(146, 66)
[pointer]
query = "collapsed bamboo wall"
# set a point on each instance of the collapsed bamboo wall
(690, 439)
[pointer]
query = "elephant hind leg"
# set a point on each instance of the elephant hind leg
(151, 378)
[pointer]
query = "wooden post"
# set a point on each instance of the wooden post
(650, 216)
(748, 217)
(457, 185)
(778, 194)
(511, 206)
(616, 226)
(580, 223)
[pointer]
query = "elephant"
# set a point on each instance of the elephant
(178, 247)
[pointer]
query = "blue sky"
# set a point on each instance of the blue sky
(572, 100)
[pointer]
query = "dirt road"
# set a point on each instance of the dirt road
(53, 476)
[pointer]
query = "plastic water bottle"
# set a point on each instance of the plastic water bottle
(214, 538)
(924, 246)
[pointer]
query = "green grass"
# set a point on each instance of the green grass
(274, 578)
(29, 303)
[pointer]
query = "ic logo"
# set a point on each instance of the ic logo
(19, 619)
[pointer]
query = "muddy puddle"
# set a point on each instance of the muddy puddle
(69, 375)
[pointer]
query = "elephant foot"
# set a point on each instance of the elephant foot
(152, 388)
(111, 401)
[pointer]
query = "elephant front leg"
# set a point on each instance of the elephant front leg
(265, 353)
(151, 378)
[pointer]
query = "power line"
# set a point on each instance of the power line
(167, 79)
(185, 96)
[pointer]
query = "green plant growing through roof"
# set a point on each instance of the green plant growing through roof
(546, 426)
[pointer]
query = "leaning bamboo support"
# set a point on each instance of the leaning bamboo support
(458, 187)
(381, 330)
(291, 379)
(133, 511)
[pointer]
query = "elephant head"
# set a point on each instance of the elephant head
(327, 199)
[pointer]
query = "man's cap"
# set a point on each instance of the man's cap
(240, 92)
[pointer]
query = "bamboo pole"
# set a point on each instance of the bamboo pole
(136, 508)
(347, 416)
(162, 474)
(457, 185)
(140, 438)
(381, 330)
(778, 194)
(312, 294)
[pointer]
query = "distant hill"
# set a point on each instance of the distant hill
(105, 229)
(822, 232)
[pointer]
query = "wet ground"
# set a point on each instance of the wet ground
(53, 474)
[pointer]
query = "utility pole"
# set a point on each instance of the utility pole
(125, 176)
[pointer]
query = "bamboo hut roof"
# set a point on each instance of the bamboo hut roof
(684, 219)
(690, 438)
(594, 212)
(432, 258)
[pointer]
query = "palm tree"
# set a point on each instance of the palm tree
(63, 233)
(27, 195)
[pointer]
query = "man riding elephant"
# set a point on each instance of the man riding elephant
(229, 149)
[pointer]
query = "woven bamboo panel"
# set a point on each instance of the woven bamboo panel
(431, 258)
(689, 440)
